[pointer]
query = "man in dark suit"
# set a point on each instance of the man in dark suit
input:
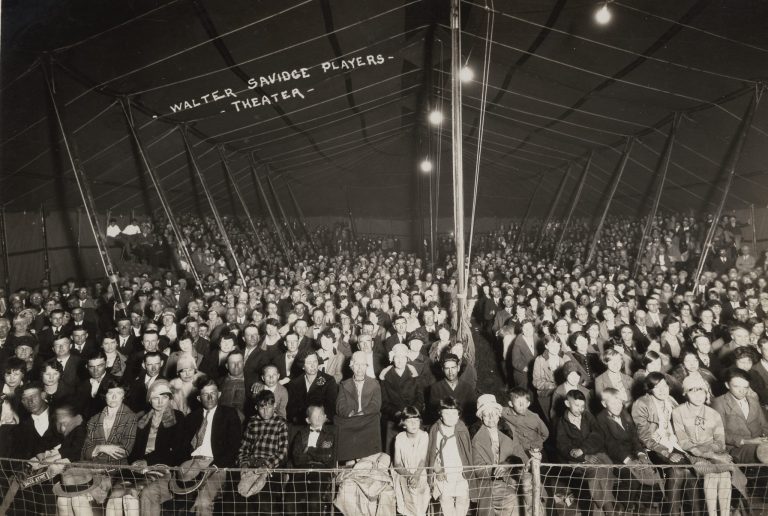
(306, 343)
(454, 386)
(127, 342)
(622, 444)
(312, 388)
(211, 434)
(79, 320)
(400, 335)
(746, 427)
(289, 362)
(255, 359)
(36, 432)
(5, 350)
(72, 365)
(202, 345)
(35, 435)
(83, 345)
(138, 387)
(313, 447)
(490, 307)
(150, 343)
(50, 334)
(90, 392)
(721, 263)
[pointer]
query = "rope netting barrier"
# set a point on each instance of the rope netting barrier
(374, 486)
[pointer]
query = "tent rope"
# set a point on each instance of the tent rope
(488, 47)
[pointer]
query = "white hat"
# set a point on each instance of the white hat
(487, 402)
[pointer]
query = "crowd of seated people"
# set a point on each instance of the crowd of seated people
(328, 360)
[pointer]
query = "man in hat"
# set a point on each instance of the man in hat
(211, 437)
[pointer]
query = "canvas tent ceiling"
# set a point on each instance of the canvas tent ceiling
(559, 86)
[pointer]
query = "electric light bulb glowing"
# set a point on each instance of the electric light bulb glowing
(603, 15)
(426, 166)
(466, 74)
(436, 117)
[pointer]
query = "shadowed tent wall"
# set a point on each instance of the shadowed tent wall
(68, 259)
(71, 248)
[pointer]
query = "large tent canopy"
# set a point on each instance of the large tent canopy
(331, 98)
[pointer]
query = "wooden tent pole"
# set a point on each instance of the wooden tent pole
(611, 193)
(241, 199)
(730, 170)
(662, 173)
(457, 141)
(46, 253)
(553, 206)
(85, 195)
(280, 208)
(527, 213)
(4, 243)
(260, 188)
(300, 215)
(212, 204)
(574, 202)
(150, 170)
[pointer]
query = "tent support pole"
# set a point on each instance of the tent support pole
(730, 169)
(4, 243)
(46, 253)
(241, 199)
(614, 185)
(85, 195)
(150, 170)
(260, 188)
(457, 141)
(280, 208)
(300, 215)
(574, 202)
(212, 204)
(352, 228)
(662, 173)
(527, 214)
(754, 229)
(553, 206)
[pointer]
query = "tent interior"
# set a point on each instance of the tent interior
(331, 99)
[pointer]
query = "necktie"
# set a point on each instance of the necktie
(197, 441)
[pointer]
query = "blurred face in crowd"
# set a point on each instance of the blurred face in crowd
(50, 376)
(270, 376)
(97, 366)
(61, 347)
(33, 401)
(151, 341)
(152, 365)
(115, 397)
(311, 365)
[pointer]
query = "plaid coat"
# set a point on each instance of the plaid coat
(123, 434)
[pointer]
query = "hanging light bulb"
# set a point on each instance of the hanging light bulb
(426, 166)
(435, 117)
(466, 74)
(603, 15)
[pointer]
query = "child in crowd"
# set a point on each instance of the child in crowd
(410, 459)
(527, 426)
(449, 456)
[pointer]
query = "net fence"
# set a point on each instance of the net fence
(534, 489)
